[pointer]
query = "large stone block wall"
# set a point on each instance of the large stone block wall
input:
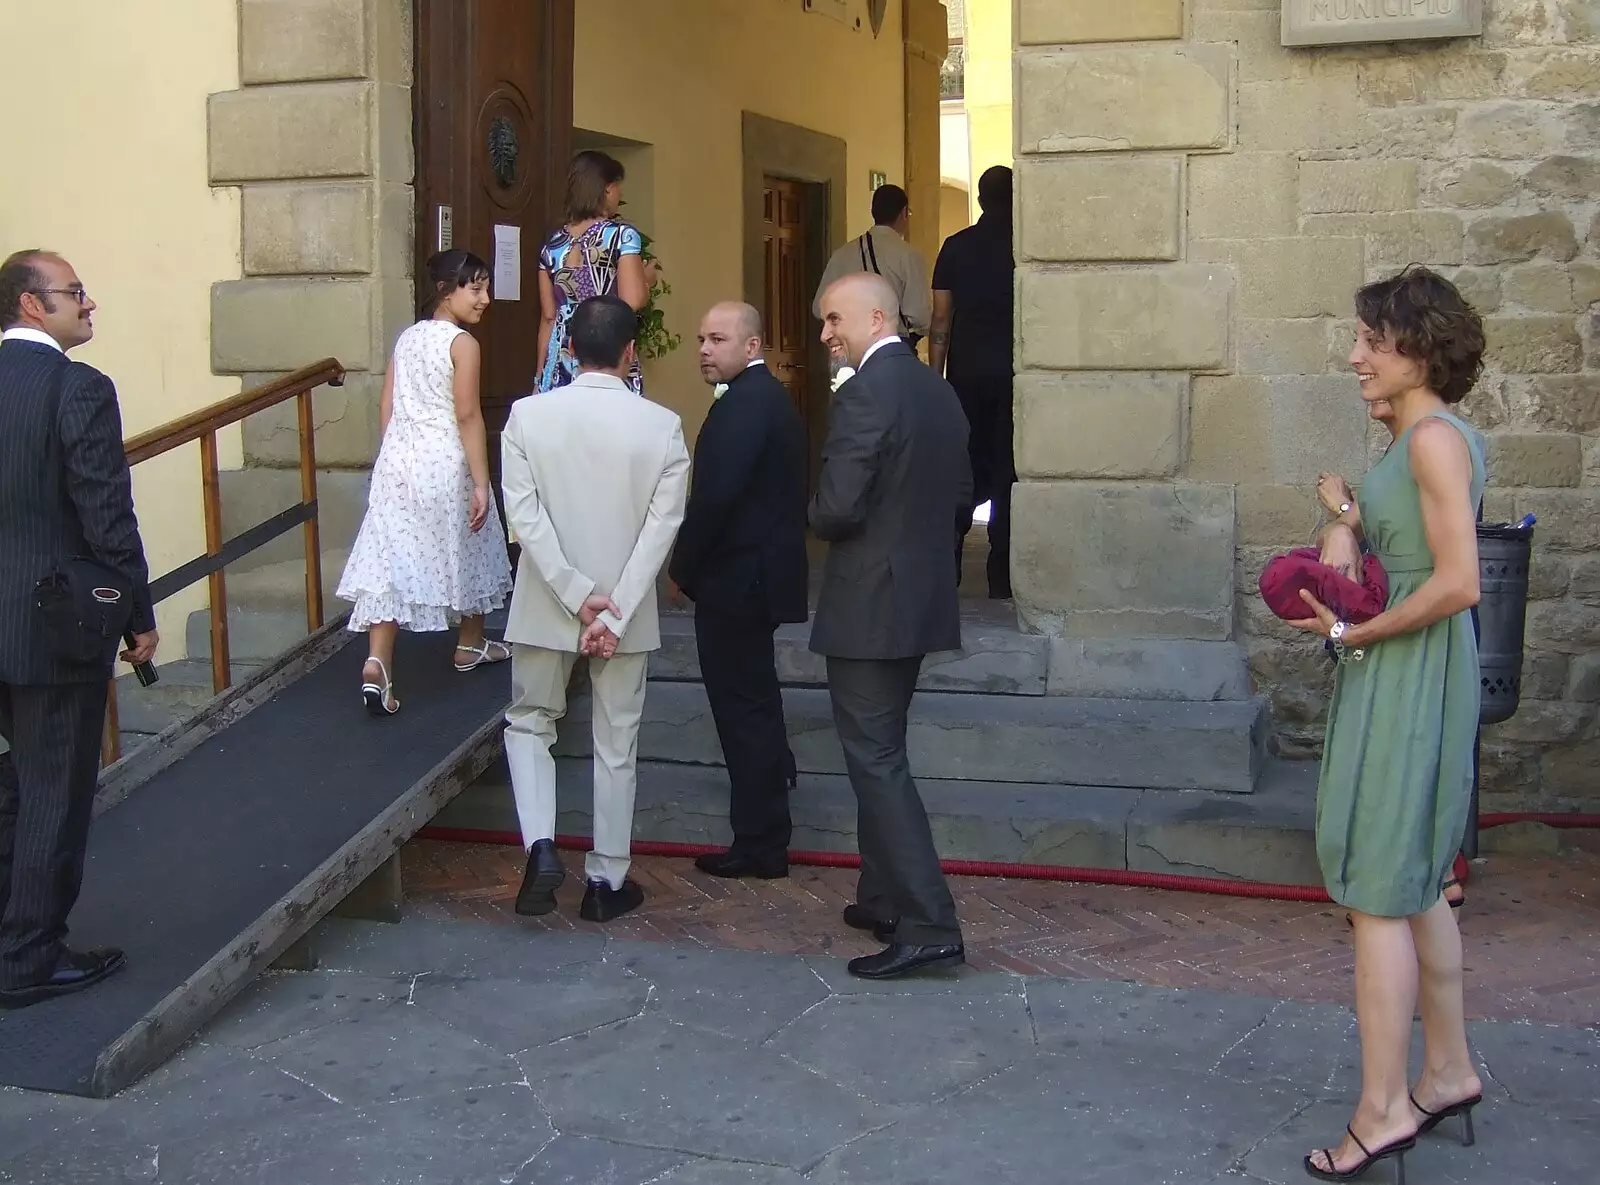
(318, 136)
(1197, 205)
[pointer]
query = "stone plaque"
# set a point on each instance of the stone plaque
(1343, 22)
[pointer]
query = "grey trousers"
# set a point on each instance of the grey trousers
(900, 875)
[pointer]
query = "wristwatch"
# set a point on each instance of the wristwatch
(1344, 507)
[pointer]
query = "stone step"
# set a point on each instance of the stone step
(254, 494)
(1141, 744)
(267, 609)
(1266, 836)
(184, 687)
(996, 658)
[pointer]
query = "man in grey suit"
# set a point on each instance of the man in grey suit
(65, 495)
(895, 480)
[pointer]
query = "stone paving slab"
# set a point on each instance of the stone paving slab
(449, 1053)
(1524, 928)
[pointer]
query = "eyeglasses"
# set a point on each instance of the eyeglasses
(78, 294)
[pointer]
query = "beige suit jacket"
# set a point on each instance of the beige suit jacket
(594, 478)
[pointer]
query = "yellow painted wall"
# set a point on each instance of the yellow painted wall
(679, 79)
(953, 215)
(955, 190)
(112, 174)
(988, 87)
(955, 162)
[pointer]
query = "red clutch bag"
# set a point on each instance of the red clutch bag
(1285, 575)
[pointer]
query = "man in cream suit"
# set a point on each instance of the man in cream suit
(595, 479)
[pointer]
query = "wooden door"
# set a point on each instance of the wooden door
(493, 127)
(786, 299)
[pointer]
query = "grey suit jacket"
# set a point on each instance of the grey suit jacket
(895, 483)
(64, 492)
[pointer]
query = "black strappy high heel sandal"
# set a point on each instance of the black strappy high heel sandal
(1396, 1150)
(1432, 1119)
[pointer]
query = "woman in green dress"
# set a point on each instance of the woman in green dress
(1396, 783)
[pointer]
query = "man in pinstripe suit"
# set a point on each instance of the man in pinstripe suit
(64, 493)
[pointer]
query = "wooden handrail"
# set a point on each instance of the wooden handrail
(189, 428)
(203, 426)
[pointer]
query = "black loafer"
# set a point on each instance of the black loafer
(900, 959)
(602, 903)
(540, 881)
(737, 864)
(857, 918)
(74, 971)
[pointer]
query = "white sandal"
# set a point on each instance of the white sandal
(379, 697)
(482, 654)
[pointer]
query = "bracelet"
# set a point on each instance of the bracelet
(1340, 651)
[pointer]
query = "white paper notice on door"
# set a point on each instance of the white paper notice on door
(507, 262)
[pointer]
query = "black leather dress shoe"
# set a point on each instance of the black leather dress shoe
(857, 918)
(900, 959)
(732, 863)
(540, 881)
(74, 971)
(602, 903)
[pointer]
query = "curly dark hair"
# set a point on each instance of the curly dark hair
(1425, 317)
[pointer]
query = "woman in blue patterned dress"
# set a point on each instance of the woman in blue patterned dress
(594, 254)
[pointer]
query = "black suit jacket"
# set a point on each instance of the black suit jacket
(64, 492)
(895, 483)
(742, 546)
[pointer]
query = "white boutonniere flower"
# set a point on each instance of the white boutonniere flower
(719, 391)
(843, 376)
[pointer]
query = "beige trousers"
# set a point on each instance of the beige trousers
(538, 701)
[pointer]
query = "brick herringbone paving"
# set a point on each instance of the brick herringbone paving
(1531, 925)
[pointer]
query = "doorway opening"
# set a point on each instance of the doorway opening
(975, 133)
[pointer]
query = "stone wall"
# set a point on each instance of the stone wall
(1197, 206)
(318, 137)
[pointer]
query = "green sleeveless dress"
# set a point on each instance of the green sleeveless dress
(1396, 782)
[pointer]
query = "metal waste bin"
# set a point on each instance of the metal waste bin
(1505, 551)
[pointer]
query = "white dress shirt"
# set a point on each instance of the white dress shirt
(23, 334)
(876, 346)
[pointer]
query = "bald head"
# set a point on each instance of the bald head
(730, 339)
(746, 317)
(857, 311)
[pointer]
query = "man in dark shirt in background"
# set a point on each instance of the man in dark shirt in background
(971, 346)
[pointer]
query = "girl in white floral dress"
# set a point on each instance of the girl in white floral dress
(431, 552)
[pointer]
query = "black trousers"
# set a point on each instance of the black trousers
(990, 447)
(47, 785)
(900, 874)
(739, 665)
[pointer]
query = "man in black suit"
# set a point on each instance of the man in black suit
(741, 558)
(895, 479)
(64, 494)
